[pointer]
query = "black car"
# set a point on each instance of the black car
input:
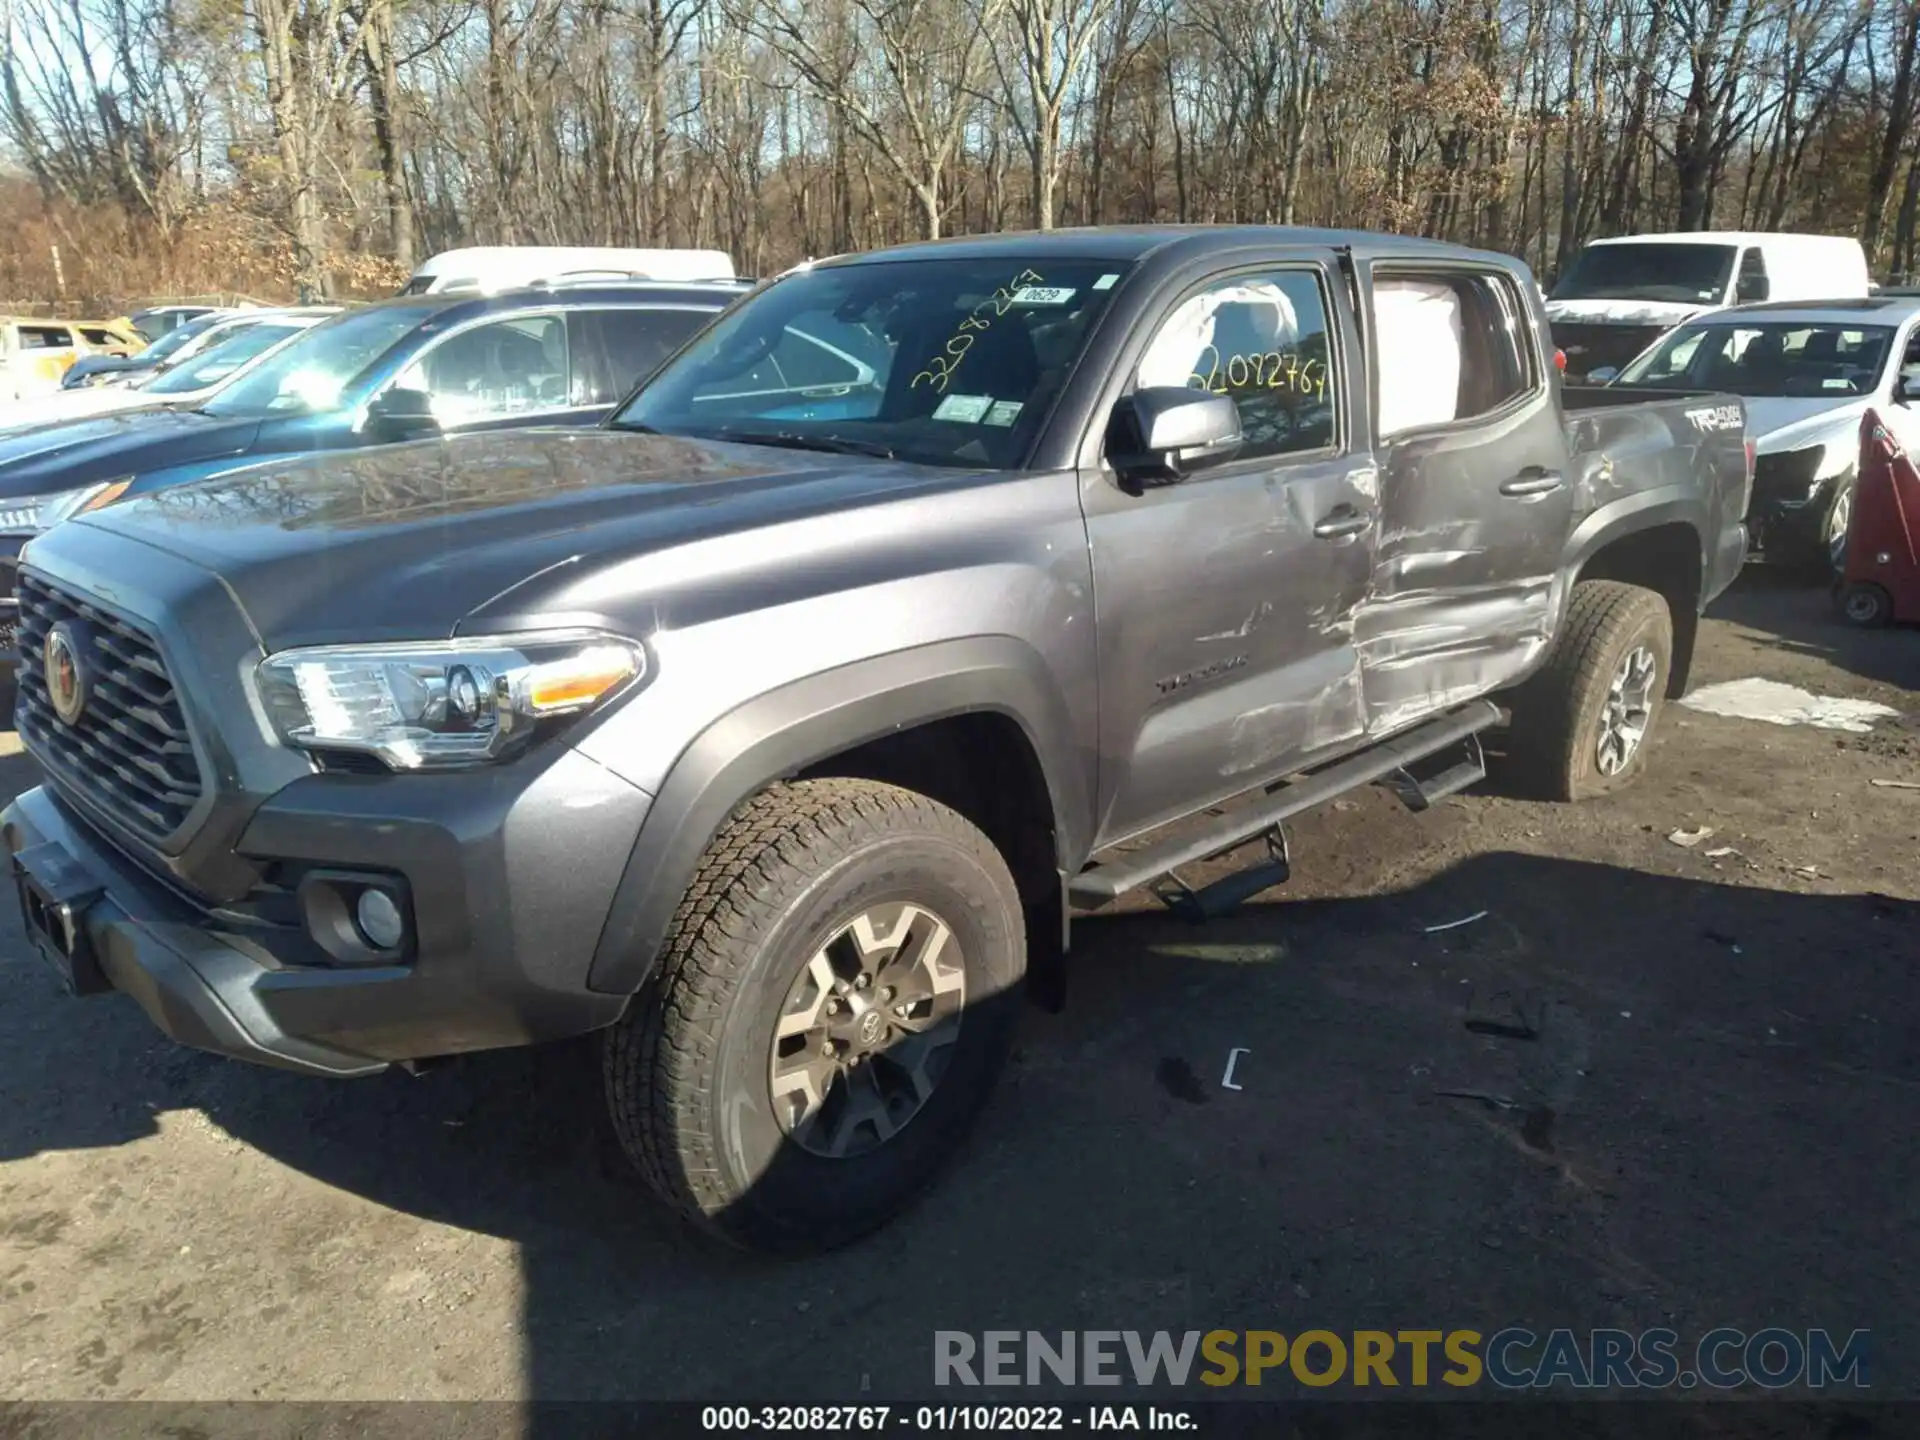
(403, 369)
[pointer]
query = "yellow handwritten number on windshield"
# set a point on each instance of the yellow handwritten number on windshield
(941, 367)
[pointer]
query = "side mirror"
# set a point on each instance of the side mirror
(1752, 287)
(1603, 376)
(1907, 391)
(398, 413)
(1164, 433)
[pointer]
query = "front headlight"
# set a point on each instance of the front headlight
(442, 704)
(34, 513)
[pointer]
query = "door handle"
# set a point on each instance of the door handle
(1342, 521)
(1534, 480)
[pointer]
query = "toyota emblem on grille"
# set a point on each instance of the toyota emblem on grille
(68, 680)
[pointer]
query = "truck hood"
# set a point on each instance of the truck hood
(70, 405)
(407, 541)
(1791, 424)
(46, 459)
(1664, 313)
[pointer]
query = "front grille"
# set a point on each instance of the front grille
(1591, 346)
(129, 751)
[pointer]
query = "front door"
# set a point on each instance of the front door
(1224, 603)
(1475, 504)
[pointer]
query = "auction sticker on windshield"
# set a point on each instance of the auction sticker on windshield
(1042, 295)
(965, 408)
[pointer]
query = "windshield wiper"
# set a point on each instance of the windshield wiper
(787, 439)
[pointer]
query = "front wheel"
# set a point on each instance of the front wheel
(1833, 528)
(835, 998)
(1580, 725)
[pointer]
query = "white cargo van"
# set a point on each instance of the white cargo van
(491, 268)
(1620, 295)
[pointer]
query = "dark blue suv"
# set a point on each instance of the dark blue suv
(403, 369)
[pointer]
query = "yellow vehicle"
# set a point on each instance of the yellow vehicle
(35, 353)
(110, 337)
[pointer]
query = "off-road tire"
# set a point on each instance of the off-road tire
(686, 1070)
(1557, 713)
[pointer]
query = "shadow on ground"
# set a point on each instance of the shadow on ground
(1794, 616)
(1685, 1104)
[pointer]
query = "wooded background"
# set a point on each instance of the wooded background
(320, 146)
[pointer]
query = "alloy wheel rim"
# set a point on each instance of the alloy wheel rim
(866, 1030)
(1838, 520)
(1628, 710)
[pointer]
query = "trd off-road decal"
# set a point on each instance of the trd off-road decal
(1713, 418)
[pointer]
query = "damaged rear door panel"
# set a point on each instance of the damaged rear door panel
(1475, 497)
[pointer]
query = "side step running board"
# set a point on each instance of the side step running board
(1390, 760)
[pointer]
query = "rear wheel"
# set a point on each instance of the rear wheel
(1581, 725)
(1865, 604)
(834, 1001)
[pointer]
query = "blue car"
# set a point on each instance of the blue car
(403, 369)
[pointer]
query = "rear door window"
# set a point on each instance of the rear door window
(45, 337)
(1451, 348)
(614, 350)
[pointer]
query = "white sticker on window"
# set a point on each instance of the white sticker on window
(965, 408)
(1839, 383)
(1105, 282)
(1043, 295)
(1004, 412)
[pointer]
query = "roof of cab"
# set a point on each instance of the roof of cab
(1136, 242)
(702, 294)
(1728, 237)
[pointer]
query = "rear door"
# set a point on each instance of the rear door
(1224, 603)
(1475, 499)
(614, 349)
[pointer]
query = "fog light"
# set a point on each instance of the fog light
(379, 919)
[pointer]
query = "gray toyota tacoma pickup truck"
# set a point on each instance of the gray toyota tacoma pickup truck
(777, 729)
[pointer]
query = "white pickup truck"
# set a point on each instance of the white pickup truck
(1618, 296)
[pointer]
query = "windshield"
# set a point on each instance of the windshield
(177, 337)
(946, 362)
(1682, 274)
(222, 358)
(1790, 358)
(315, 372)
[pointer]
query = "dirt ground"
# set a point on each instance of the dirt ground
(1729, 1048)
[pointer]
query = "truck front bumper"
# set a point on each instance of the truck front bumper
(506, 910)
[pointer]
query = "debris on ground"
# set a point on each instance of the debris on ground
(1503, 1029)
(1492, 1102)
(1776, 703)
(1896, 784)
(1687, 839)
(1514, 1026)
(1176, 1077)
(1456, 924)
(1536, 1127)
(1721, 852)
